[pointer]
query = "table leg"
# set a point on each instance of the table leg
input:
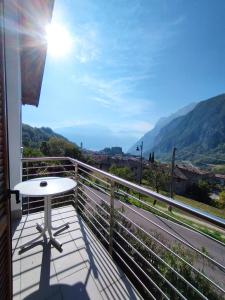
(32, 241)
(41, 228)
(53, 240)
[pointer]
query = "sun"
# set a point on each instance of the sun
(59, 39)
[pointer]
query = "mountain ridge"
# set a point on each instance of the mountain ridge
(33, 136)
(149, 137)
(199, 132)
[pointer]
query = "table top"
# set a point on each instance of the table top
(55, 186)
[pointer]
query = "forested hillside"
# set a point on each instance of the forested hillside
(45, 142)
(33, 136)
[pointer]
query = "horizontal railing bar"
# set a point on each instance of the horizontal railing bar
(31, 202)
(135, 275)
(25, 210)
(91, 190)
(163, 262)
(46, 173)
(47, 166)
(93, 201)
(42, 206)
(175, 236)
(62, 196)
(172, 252)
(47, 158)
(94, 210)
(63, 202)
(95, 227)
(93, 217)
(93, 184)
(53, 198)
(139, 267)
(91, 174)
(173, 218)
(32, 208)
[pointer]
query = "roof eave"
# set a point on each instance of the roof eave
(34, 16)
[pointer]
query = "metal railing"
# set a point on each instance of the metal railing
(178, 254)
(44, 168)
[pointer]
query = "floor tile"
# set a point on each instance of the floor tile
(16, 289)
(103, 269)
(82, 270)
(120, 290)
(80, 284)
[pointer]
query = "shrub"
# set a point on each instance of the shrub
(220, 203)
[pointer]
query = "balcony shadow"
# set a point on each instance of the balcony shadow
(104, 269)
(54, 291)
(84, 279)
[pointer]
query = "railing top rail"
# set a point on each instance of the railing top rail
(50, 158)
(142, 190)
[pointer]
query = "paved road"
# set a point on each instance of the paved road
(214, 249)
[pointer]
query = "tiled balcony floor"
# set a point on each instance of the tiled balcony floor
(83, 270)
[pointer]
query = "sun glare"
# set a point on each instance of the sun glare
(60, 41)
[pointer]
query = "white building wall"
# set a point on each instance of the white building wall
(13, 82)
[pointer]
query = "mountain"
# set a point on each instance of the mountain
(149, 138)
(198, 136)
(32, 136)
(45, 142)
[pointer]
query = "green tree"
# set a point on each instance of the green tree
(56, 146)
(45, 148)
(59, 147)
(220, 203)
(72, 151)
(123, 172)
(200, 191)
(31, 152)
(157, 177)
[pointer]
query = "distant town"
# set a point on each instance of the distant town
(187, 179)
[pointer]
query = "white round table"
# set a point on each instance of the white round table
(46, 187)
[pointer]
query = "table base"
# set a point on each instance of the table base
(47, 227)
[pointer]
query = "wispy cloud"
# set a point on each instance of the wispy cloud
(127, 56)
(118, 94)
(137, 45)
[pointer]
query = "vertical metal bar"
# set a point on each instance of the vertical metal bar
(76, 188)
(112, 197)
(28, 198)
(172, 173)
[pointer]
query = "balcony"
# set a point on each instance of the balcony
(119, 244)
(83, 270)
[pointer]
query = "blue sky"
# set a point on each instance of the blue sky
(132, 62)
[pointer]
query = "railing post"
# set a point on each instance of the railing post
(76, 188)
(26, 164)
(111, 223)
(28, 198)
